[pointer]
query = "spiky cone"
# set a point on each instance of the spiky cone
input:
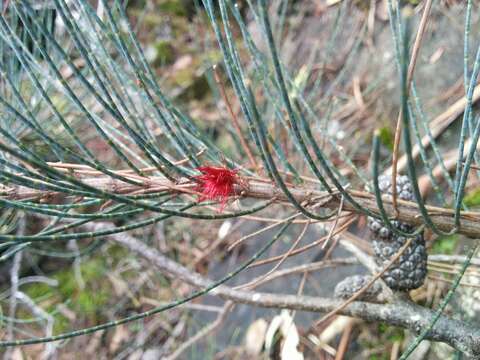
(409, 271)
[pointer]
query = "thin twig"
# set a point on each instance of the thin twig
(253, 283)
(344, 340)
(334, 226)
(14, 277)
(236, 124)
(202, 333)
(437, 127)
(260, 231)
(458, 259)
(304, 268)
(344, 226)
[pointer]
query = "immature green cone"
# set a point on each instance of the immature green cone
(410, 270)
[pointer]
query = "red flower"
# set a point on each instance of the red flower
(216, 183)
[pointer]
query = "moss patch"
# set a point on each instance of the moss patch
(172, 7)
(165, 53)
(386, 137)
(86, 303)
(472, 199)
(445, 244)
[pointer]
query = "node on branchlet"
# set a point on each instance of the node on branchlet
(216, 184)
(409, 271)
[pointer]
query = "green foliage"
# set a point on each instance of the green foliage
(164, 53)
(472, 199)
(445, 244)
(396, 335)
(173, 7)
(392, 333)
(379, 357)
(38, 291)
(382, 335)
(86, 303)
(387, 137)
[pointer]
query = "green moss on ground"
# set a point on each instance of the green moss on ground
(165, 53)
(472, 199)
(445, 244)
(173, 7)
(386, 137)
(86, 303)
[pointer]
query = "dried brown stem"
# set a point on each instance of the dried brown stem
(202, 333)
(345, 339)
(235, 121)
(437, 127)
(340, 229)
(304, 268)
(254, 283)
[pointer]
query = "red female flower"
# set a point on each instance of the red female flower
(216, 183)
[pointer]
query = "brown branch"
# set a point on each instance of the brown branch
(408, 211)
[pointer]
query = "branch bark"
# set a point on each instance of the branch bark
(408, 211)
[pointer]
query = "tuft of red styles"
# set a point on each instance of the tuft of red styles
(216, 183)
